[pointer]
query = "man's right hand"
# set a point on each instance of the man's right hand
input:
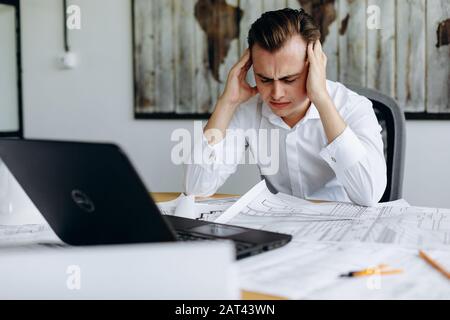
(237, 90)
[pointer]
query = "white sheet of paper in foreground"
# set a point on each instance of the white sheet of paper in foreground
(201, 270)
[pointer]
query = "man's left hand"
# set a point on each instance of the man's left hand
(316, 85)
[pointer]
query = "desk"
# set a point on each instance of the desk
(246, 295)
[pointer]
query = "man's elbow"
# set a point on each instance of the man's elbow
(366, 202)
(197, 183)
(371, 194)
(199, 189)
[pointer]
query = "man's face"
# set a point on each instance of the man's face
(281, 76)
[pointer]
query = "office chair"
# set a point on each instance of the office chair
(392, 121)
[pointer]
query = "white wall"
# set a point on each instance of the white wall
(95, 102)
(427, 163)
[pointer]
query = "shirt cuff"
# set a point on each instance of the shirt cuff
(224, 152)
(215, 152)
(344, 151)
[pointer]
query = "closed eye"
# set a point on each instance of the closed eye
(264, 80)
(285, 80)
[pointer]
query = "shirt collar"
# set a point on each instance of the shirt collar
(312, 113)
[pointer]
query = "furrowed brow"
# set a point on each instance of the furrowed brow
(284, 78)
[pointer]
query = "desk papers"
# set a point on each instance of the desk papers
(311, 270)
(415, 227)
(330, 239)
(206, 209)
(27, 234)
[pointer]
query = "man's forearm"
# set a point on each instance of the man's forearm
(219, 121)
(332, 121)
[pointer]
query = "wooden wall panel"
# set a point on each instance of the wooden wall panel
(411, 55)
(380, 73)
(352, 42)
(271, 5)
(184, 49)
(252, 10)
(165, 60)
(326, 13)
(438, 56)
(233, 47)
(185, 86)
(144, 57)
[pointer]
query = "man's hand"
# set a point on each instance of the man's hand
(316, 85)
(237, 90)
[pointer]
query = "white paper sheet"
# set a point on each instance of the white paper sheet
(27, 234)
(341, 222)
(206, 209)
(138, 271)
(312, 271)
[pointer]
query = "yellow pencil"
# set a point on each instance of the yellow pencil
(434, 264)
(380, 270)
(376, 272)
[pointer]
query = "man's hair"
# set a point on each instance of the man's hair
(274, 28)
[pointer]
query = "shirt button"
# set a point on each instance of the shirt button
(333, 159)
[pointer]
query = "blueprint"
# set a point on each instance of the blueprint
(312, 270)
(340, 222)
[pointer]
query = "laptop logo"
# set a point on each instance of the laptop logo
(83, 201)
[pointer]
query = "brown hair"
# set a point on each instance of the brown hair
(274, 28)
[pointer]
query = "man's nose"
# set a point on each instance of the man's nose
(277, 90)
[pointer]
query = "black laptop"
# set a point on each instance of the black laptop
(90, 194)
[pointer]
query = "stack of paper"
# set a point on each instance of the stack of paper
(330, 239)
(205, 209)
(415, 227)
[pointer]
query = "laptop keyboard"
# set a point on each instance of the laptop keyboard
(185, 236)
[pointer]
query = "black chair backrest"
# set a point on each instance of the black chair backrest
(392, 121)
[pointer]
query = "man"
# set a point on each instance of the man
(330, 146)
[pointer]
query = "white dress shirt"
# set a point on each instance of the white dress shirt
(351, 168)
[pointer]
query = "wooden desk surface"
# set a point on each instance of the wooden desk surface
(246, 295)
(167, 196)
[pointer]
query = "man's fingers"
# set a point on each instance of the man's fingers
(318, 47)
(243, 64)
(311, 57)
(315, 52)
(244, 59)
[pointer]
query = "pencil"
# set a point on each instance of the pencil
(370, 272)
(434, 264)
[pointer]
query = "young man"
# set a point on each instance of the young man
(329, 142)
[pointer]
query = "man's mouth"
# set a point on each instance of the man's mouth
(279, 105)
